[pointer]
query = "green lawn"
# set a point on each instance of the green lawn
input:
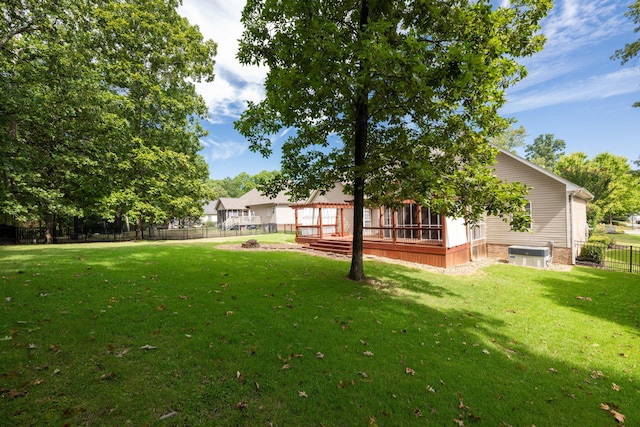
(187, 334)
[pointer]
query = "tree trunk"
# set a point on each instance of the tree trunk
(360, 152)
(138, 227)
(50, 230)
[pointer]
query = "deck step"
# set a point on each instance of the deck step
(344, 247)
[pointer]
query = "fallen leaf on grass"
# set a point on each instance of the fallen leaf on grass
(584, 298)
(229, 313)
(302, 394)
(319, 355)
(168, 415)
(160, 307)
(553, 370)
(286, 366)
(615, 386)
(148, 347)
(122, 352)
(616, 415)
(241, 405)
(409, 371)
(368, 353)
(109, 376)
(363, 374)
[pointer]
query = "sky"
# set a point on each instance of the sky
(573, 90)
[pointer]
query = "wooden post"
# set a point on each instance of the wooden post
(320, 220)
(295, 210)
(341, 222)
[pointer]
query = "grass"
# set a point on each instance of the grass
(628, 239)
(187, 334)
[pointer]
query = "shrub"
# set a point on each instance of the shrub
(592, 253)
(603, 240)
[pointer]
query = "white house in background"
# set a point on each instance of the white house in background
(210, 213)
(276, 212)
(253, 209)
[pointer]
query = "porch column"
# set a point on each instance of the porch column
(394, 222)
(443, 219)
(295, 210)
(419, 214)
(320, 220)
(341, 222)
(381, 222)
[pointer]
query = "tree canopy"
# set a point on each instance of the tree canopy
(98, 112)
(545, 151)
(609, 178)
(631, 50)
(510, 139)
(395, 99)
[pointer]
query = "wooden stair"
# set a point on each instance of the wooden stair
(343, 247)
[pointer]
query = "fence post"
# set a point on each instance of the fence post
(630, 259)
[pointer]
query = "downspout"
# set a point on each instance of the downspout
(570, 226)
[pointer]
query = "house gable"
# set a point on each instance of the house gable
(557, 208)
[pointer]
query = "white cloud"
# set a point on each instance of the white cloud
(592, 88)
(223, 150)
(234, 84)
(568, 68)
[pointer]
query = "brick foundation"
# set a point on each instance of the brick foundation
(560, 255)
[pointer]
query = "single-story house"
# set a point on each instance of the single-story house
(210, 213)
(232, 212)
(254, 209)
(414, 233)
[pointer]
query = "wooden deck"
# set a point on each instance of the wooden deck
(418, 251)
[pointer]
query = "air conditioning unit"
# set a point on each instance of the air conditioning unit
(530, 256)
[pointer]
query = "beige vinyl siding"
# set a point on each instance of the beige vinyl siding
(548, 199)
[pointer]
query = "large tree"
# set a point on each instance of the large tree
(510, 139)
(609, 178)
(151, 57)
(51, 108)
(98, 111)
(631, 50)
(545, 151)
(394, 98)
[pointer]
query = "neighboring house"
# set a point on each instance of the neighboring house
(558, 210)
(275, 212)
(414, 233)
(210, 213)
(253, 209)
(231, 212)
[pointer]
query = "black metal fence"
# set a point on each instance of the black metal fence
(19, 235)
(609, 256)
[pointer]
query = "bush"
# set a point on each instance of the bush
(592, 253)
(603, 240)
